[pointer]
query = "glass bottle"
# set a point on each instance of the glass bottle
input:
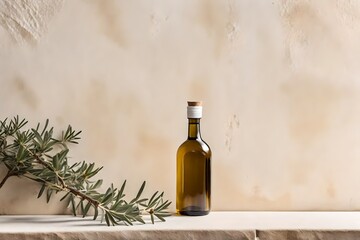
(193, 180)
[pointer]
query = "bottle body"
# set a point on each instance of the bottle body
(193, 187)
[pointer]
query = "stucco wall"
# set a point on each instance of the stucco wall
(279, 80)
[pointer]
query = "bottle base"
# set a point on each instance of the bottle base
(193, 211)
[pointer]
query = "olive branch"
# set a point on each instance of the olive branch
(39, 156)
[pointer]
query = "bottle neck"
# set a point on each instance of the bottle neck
(194, 128)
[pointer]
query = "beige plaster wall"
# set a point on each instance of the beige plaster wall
(279, 81)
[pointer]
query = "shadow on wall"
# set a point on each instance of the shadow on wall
(19, 196)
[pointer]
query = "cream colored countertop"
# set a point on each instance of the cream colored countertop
(216, 225)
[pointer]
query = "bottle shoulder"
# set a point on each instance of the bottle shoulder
(195, 145)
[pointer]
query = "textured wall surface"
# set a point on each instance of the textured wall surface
(279, 80)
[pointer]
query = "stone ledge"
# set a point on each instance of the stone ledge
(308, 234)
(217, 225)
(135, 235)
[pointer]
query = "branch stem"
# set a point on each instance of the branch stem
(82, 195)
(74, 191)
(45, 164)
(63, 186)
(9, 174)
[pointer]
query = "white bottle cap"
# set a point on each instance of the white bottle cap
(194, 109)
